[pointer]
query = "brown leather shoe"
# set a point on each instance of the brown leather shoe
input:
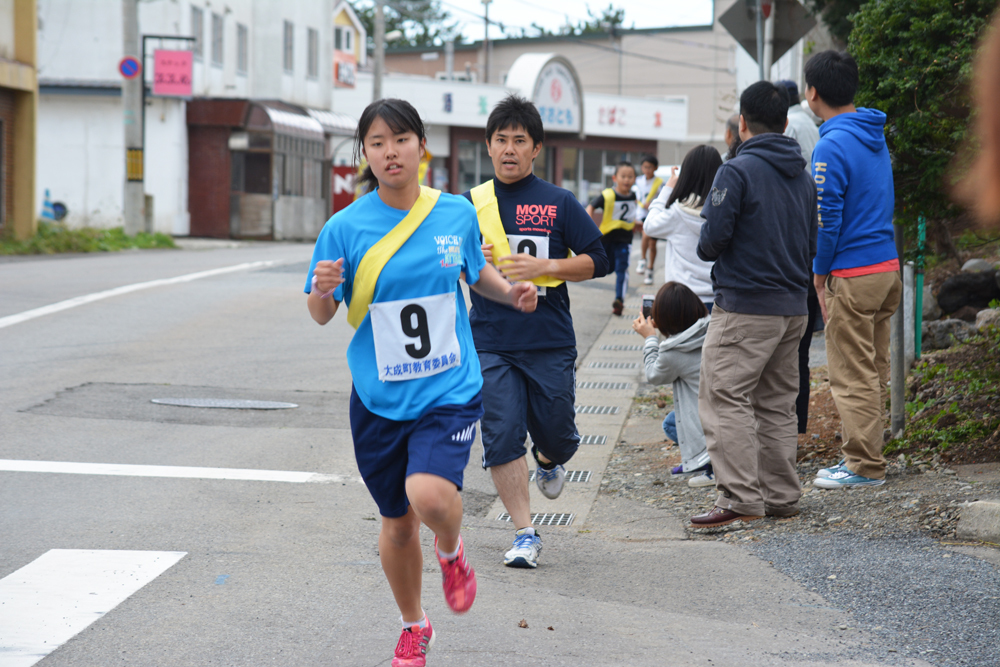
(720, 517)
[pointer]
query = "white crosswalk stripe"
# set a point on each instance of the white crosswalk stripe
(52, 599)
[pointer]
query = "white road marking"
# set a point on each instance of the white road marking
(125, 289)
(180, 472)
(50, 600)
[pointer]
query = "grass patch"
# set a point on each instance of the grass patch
(952, 407)
(52, 238)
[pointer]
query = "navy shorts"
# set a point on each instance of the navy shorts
(438, 443)
(530, 391)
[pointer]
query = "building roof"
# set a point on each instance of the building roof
(334, 123)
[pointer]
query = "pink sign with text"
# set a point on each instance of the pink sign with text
(172, 73)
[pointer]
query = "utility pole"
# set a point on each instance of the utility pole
(759, 14)
(486, 39)
(132, 89)
(770, 9)
(379, 49)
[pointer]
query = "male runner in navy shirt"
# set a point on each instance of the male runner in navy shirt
(529, 361)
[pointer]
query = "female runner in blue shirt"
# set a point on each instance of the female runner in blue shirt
(417, 381)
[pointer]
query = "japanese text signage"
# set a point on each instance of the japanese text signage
(172, 73)
(557, 98)
(345, 70)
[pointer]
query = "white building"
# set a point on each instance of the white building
(244, 49)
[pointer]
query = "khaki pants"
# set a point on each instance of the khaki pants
(857, 351)
(749, 381)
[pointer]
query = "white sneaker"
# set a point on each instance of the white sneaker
(550, 482)
(706, 478)
(641, 268)
(826, 472)
(648, 280)
(525, 551)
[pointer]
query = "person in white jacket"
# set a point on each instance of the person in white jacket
(675, 216)
(679, 314)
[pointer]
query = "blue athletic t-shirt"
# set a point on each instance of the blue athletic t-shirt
(533, 209)
(416, 292)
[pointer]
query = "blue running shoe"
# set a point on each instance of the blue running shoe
(826, 472)
(525, 551)
(843, 479)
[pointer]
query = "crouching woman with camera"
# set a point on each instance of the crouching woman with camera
(679, 314)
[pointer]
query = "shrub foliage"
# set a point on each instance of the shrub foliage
(915, 64)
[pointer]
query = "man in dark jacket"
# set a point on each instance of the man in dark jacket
(760, 231)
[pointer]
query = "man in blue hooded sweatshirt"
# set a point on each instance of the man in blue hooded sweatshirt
(760, 230)
(856, 267)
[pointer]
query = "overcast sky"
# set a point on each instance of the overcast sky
(554, 13)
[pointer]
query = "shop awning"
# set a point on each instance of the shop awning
(334, 123)
(294, 125)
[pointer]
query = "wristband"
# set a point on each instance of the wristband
(316, 289)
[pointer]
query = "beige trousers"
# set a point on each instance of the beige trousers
(857, 351)
(749, 381)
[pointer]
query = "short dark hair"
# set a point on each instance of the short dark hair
(624, 163)
(834, 75)
(399, 115)
(793, 91)
(651, 159)
(764, 107)
(515, 111)
(697, 174)
(676, 308)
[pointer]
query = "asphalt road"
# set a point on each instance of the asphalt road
(209, 557)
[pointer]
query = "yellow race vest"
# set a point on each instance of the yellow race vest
(379, 254)
(653, 191)
(607, 223)
(484, 198)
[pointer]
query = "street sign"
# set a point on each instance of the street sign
(791, 23)
(172, 73)
(130, 67)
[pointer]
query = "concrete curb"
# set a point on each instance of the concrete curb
(980, 521)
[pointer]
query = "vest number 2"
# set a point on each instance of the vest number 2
(417, 329)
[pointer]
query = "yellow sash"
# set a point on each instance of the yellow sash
(653, 191)
(484, 198)
(607, 224)
(375, 259)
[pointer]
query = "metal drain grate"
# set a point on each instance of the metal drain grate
(228, 403)
(582, 476)
(621, 332)
(544, 519)
(603, 385)
(623, 348)
(613, 364)
(596, 409)
(593, 439)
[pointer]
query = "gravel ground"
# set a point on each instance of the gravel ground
(879, 552)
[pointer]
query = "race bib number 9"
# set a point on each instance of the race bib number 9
(415, 338)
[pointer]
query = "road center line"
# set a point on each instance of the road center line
(176, 472)
(125, 289)
(50, 600)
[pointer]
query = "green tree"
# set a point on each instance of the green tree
(422, 22)
(836, 14)
(608, 19)
(914, 63)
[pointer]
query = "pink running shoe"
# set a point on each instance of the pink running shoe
(414, 643)
(459, 580)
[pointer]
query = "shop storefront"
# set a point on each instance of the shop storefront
(586, 134)
(260, 169)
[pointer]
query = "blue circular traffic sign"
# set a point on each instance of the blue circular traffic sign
(130, 67)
